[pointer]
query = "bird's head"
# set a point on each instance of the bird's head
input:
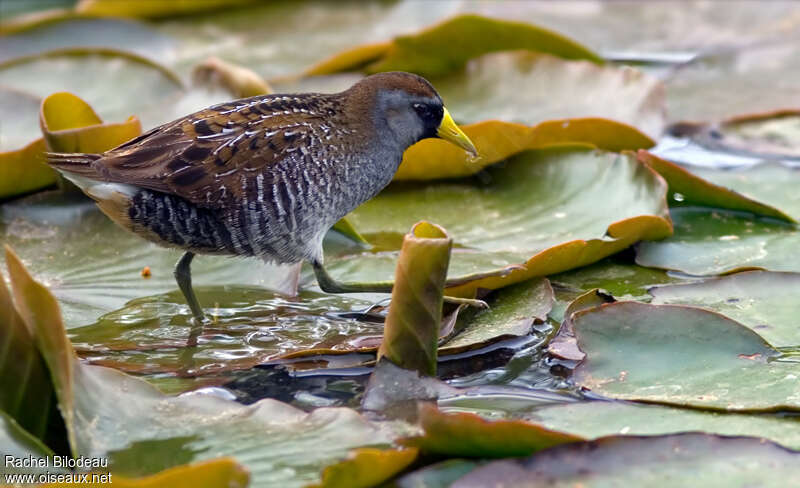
(408, 107)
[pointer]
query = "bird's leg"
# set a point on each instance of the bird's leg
(329, 284)
(183, 275)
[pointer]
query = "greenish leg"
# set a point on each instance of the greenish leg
(329, 284)
(183, 275)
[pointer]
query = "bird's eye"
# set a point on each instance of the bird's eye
(421, 109)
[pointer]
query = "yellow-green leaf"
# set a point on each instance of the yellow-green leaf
(216, 473)
(447, 46)
(366, 467)
(70, 125)
(25, 170)
(469, 435)
(496, 140)
(153, 9)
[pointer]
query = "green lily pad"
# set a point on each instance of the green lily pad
(623, 280)
(512, 313)
(553, 204)
(366, 467)
(437, 475)
(767, 302)
(676, 460)
(683, 356)
(598, 419)
(709, 242)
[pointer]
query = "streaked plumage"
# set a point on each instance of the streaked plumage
(265, 176)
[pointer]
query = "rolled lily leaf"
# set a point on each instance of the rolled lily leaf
(446, 47)
(411, 332)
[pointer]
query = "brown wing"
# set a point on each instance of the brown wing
(202, 156)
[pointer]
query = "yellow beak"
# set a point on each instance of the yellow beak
(449, 131)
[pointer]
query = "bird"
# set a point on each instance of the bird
(265, 176)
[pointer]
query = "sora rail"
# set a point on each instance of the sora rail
(265, 176)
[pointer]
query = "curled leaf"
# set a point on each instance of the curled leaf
(447, 46)
(70, 125)
(241, 82)
(411, 332)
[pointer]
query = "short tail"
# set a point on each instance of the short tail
(75, 163)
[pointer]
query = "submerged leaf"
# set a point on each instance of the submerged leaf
(447, 46)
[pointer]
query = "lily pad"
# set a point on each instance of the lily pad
(153, 9)
(101, 405)
(727, 82)
(675, 460)
(554, 205)
(769, 182)
(94, 267)
(512, 313)
(496, 140)
(86, 31)
(529, 88)
(710, 242)
(430, 52)
(767, 302)
(683, 356)
(598, 419)
(690, 188)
